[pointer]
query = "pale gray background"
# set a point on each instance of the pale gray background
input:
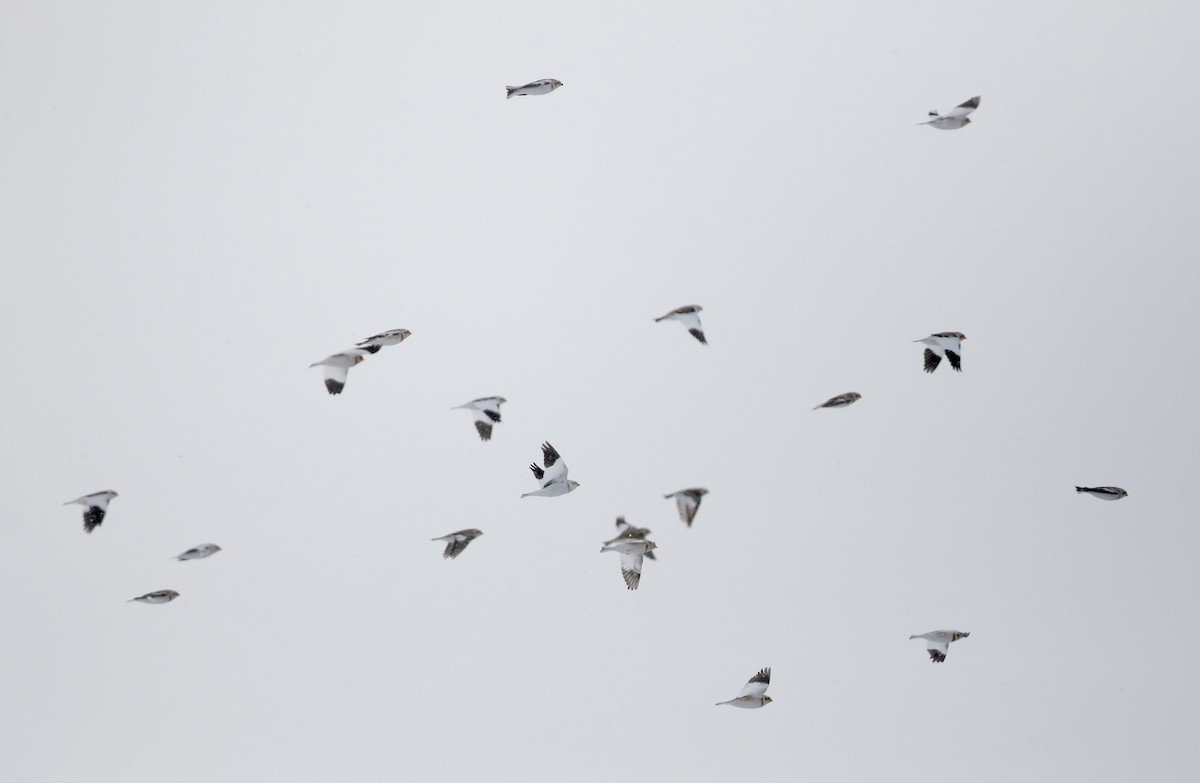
(201, 198)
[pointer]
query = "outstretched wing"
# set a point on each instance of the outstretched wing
(937, 649)
(963, 109)
(556, 468)
(688, 505)
(756, 688)
(932, 360)
(631, 569)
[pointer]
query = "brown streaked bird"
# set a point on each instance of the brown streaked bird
(456, 542)
(841, 401)
(157, 597)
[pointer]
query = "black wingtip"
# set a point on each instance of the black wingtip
(370, 348)
(333, 386)
(699, 335)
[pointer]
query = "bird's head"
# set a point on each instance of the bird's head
(555, 84)
(960, 635)
(111, 493)
(501, 400)
(214, 548)
(960, 335)
(1124, 494)
(767, 700)
(966, 120)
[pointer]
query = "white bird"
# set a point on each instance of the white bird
(938, 642)
(628, 531)
(487, 413)
(687, 315)
(97, 507)
(841, 401)
(456, 542)
(540, 87)
(157, 597)
(955, 118)
(948, 344)
(337, 366)
(631, 550)
(1104, 493)
(376, 341)
(754, 694)
(688, 502)
(554, 477)
(199, 552)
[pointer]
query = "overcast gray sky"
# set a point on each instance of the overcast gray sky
(200, 199)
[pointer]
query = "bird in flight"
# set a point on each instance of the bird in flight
(199, 552)
(938, 642)
(628, 531)
(456, 542)
(841, 401)
(554, 478)
(337, 366)
(632, 550)
(540, 87)
(948, 344)
(487, 414)
(157, 597)
(955, 118)
(754, 694)
(376, 341)
(96, 506)
(688, 502)
(687, 315)
(1104, 493)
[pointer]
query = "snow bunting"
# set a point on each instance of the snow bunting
(955, 118)
(631, 550)
(337, 366)
(688, 502)
(753, 695)
(938, 642)
(540, 87)
(157, 597)
(948, 343)
(1104, 493)
(554, 477)
(199, 552)
(841, 401)
(97, 507)
(628, 531)
(687, 315)
(457, 542)
(487, 413)
(376, 341)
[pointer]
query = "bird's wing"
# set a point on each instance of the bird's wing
(756, 688)
(93, 516)
(489, 407)
(335, 377)
(932, 360)
(537, 472)
(556, 468)
(691, 322)
(955, 360)
(455, 545)
(631, 569)
(687, 505)
(484, 427)
(937, 649)
(948, 341)
(963, 109)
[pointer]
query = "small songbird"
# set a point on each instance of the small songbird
(632, 550)
(337, 366)
(938, 642)
(687, 315)
(1104, 493)
(157, 597)
(955, 118)
(199, 552)
(487, 413)
(628, 531)
(540, 87)
(947, 343)
(754, 694)
(554, 477)
(688, 502)
(456, 542)
(376, 341)
(96, 507)
(841, 401)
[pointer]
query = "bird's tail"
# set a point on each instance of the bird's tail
(662, 318)
(1080, 489)
(718, 704)
(915, 636)
(510, 91)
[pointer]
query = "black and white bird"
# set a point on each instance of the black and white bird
(456, 542)
(688, 316)
(948, 344)
(540, 87)
(96, 506)
(1104, 493)
(632, 550)
(754, 694)
(688, 502)
(337, 366)
(199, 552)
(938, 642)
(554, 478)
(157, 597)
(955, 118)
(841, 401)
(487, 414)
(628, 531)
(376, 341)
